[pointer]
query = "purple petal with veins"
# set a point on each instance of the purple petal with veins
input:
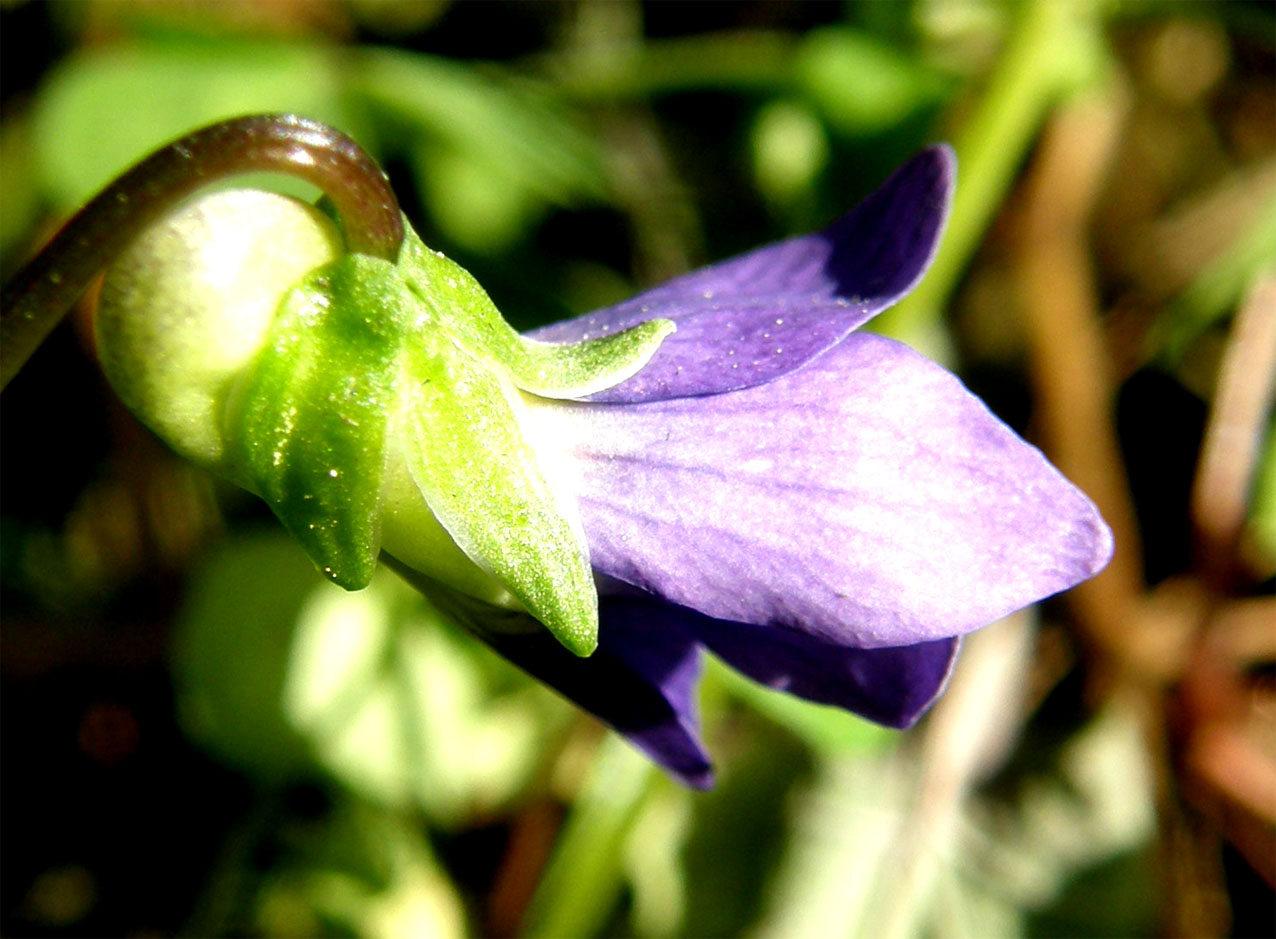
(825, 510)
(867, 499)
(751, 319)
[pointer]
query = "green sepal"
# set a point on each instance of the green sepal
(462, 308)
(313, 413)
(364, 349)
(466, 452)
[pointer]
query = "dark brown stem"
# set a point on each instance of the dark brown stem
(284, 143)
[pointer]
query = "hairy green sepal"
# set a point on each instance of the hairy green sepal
(464, 311)
(365, 353)
(480, 476)
(314, 413)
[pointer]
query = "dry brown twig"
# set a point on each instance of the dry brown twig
(1184, 650)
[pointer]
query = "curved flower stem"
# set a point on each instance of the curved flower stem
(285, 143)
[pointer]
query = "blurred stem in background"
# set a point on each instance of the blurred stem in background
(1145, 643)
(1052, 48)
(582, 884)
(1216, 290)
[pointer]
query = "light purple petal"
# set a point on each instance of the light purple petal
(641, 680)
(751, 319)
(867, 499)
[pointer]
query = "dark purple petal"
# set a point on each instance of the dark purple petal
(641, 680)
(751, 319)
(867, 499)
(892, 686)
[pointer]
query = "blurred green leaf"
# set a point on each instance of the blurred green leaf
(472, 203)
(1053, 49)
(861, 84)
(397, 707)
(654, 860)
(360, 870)
(740, 829)
(1262, 520)
(1091, 806)
(737, 60)
(1218, 289)
(482, 144)
(104, 108)
(232, 654)
(790, 151)
(19, 192)
(283, 675)
(1115, 897)
(398, 17)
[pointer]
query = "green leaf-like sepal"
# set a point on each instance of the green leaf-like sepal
(482, 479)
(313, 414)
(394, 393)
(462, 308)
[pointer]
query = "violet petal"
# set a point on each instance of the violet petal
(748, 320)
(868, 499)
(892, 686)
(641, 680)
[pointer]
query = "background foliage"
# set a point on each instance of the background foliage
(201, 737)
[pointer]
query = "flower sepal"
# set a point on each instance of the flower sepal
(460, 306)
(374, 405)
(464, 443)
(313, 412)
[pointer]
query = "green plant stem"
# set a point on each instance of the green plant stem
(583, 880)
(46, 288)
(1037, 66)
(1217, 289)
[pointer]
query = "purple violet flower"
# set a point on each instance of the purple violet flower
(823, 509)
(729, 462)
